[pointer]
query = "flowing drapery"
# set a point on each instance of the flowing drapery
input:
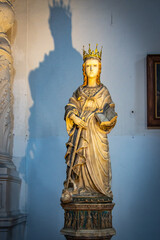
(91, 170)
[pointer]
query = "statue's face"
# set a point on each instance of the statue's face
(92, 67)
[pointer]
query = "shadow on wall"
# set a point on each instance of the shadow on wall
(51, 85)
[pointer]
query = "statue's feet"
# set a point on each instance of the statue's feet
(84, 192)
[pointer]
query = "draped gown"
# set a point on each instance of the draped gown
(91, 169)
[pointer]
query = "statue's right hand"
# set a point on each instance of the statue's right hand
(78, 121)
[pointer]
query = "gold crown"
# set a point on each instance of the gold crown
(92, 54)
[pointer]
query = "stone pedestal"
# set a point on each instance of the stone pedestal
(88, 218)
(12, 227)
(10, 184)
(12, 222)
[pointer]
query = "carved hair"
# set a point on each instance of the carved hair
(85, 79)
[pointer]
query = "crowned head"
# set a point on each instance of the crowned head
(91, 55)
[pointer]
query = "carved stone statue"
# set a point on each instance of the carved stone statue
(89, 117)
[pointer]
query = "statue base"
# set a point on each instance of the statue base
(12, 222)
(88, 218)
(12, 227)
(10, 184)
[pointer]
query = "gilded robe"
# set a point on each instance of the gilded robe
(91, 170)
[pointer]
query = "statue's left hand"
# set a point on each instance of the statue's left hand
(109, 124)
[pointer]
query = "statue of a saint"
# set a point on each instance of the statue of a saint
(89, 117)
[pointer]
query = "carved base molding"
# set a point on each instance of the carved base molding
(88, 218)
(6, 161)
(13, 227)
(9, 192)
(12, 222)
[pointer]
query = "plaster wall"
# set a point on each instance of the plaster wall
(47, 54)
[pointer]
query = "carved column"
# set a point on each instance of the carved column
(9, 179)
(6, 116)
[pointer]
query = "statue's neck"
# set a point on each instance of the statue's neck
(92, 82)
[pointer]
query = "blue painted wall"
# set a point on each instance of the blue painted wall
(128, 30)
